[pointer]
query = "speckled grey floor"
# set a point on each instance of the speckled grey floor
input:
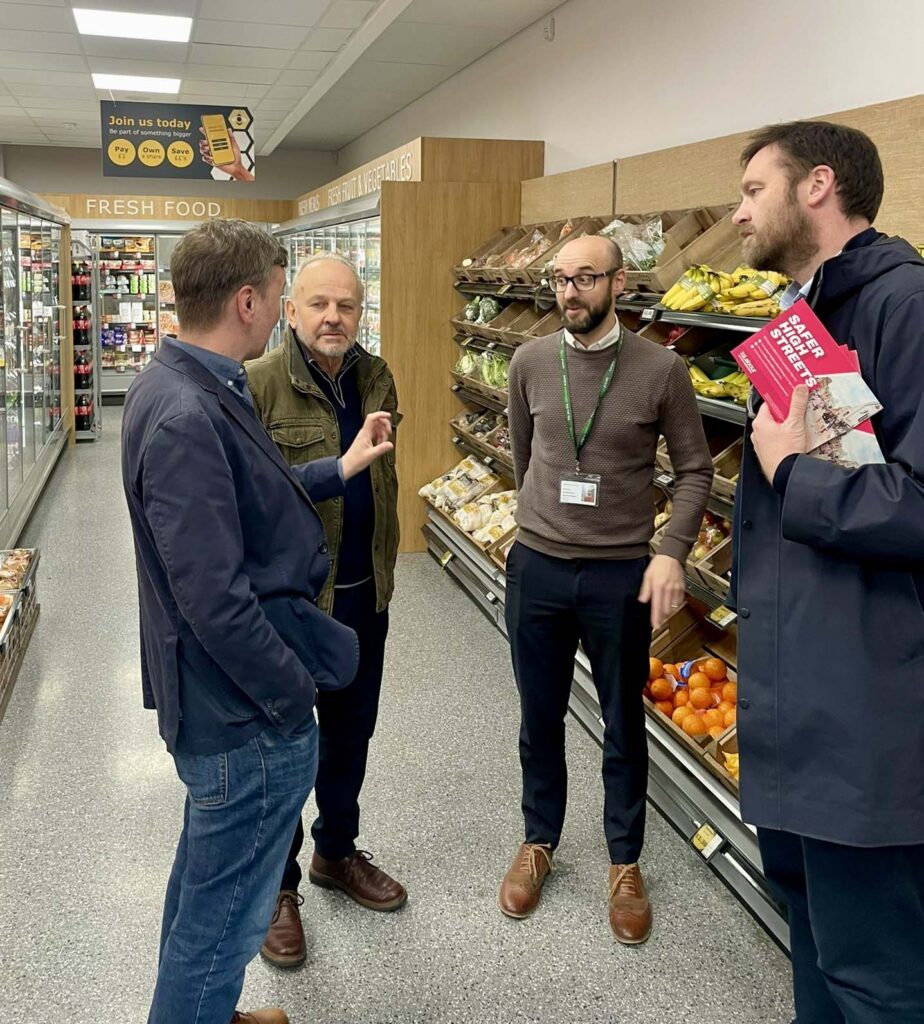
(90, 811)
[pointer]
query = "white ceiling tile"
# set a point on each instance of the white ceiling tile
(299, 77)
(28, 90)
(37, 3)
(134, 49)
(330, 39)
(62, 79)
(222, 73)
(347, 13)
(183, 8)
(155, 68)
(286, 92)
(510, 16)
(216, 89)
(40, 42)
(10, 116)
(61, 61)
(53, 103)
(237, 33)
(280, 12)
(237, 56)
(313, 60)
(270, 104)
(8, 103)
(255, 92)
(25, 16)
(375, 74)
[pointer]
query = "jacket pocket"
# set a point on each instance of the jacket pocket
(295, 441)
(205, 777)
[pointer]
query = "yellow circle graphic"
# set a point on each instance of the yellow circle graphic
(121, 152)
(151, 153)
(180, 154)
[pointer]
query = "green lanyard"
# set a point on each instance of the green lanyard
(580, 441)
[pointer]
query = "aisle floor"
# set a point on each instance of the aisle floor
(90, 810)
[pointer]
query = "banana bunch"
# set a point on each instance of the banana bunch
(696, 289)
(735, 385)
(744, 292)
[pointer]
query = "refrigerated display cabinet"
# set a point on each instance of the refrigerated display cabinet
(87, 356)
(351, 230)
(33, 326)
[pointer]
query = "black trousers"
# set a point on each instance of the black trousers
(553, 603)
(856, 923)
(347, 721)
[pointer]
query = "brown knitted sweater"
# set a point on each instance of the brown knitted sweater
(651, 394)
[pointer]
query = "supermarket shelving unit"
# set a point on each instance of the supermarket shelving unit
(34, 322)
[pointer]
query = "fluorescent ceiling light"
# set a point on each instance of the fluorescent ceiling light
(133, 26)
(136, 83)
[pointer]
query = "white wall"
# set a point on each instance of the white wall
(625, 77)
(284, 175)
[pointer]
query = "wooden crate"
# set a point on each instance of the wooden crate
(549, 324)
(496, 329)
(681, 230)
(714, 566)
(727, 467)
(535, 271)
(500, 240)
(516, 333)
(496, 552)
(550, 233)
(715, 758)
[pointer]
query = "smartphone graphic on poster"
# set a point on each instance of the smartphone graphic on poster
(219, 139)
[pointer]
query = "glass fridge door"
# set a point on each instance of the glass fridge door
(9, 311)
(372, 278)
(61, 265)
(30, 230)
(44, 313)
(13, 344)
(166, 300)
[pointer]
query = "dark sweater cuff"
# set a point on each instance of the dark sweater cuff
(783, 473)
(675, 548)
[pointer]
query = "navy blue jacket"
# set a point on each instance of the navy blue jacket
(231, 557)
(829, 579)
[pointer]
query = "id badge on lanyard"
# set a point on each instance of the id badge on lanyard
(579, 488)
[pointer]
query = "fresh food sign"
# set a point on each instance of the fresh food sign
(171, 140)
(400, 165)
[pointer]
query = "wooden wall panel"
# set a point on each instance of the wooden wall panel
(426, 228)
(709, 173)
(588, 191)
(481, 159)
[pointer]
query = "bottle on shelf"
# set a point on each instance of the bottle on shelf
(83, 372)
(82, 325)
(83, 413)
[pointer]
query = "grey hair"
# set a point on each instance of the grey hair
(331, 257)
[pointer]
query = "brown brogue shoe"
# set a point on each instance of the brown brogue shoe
(522, 885)
(272, 1016)
(630, 910)
(360, 879)
(284, 945)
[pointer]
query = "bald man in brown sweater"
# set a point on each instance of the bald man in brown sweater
(587, 406)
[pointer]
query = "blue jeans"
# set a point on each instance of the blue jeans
(241, 811)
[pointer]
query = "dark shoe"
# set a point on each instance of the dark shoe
(630, 911)
(522, 885)
(284, 945)
(359, 878)
(260, 1017)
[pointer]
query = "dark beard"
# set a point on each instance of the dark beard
(590, 319)
(791, 246)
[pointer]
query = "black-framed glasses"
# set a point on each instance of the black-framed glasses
(583, 282)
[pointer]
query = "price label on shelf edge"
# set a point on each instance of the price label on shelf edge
(707, 841)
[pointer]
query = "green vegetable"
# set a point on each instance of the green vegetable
(467, 364)
(494, 370)
(471, 311)
(490, 308)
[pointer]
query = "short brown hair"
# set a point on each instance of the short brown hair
(215, 260)
(848, 152)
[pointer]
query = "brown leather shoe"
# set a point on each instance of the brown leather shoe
(260, 1017)
(522, 885)
(360, 879)
(284, 945)
(630, 911)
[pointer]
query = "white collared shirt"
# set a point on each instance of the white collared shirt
(611, 339)
(794, 292)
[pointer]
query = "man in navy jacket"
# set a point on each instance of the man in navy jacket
(829, 576)
(231, 557)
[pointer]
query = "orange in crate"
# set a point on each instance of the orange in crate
(701, 698)
(731, 717)
(666, 707)
(694, 725)
(661, 689)
(681, 714)
(655, 668)
(730, 693)
(681, 698)
(716, 669)
(699, 680)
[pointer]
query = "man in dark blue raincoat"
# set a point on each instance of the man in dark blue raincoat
(829, 586)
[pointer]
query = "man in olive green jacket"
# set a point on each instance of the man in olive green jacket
(312, 394)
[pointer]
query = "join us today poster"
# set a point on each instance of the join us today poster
(177, 140)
